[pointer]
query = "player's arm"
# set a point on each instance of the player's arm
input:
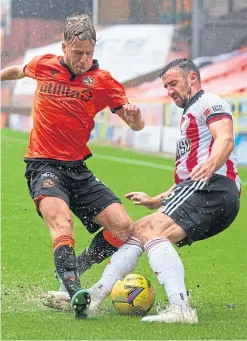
(20, 71)
(223, 145)
(218, 118)
(131, 115)
(142, 199)
(222, 133)
(12, 73)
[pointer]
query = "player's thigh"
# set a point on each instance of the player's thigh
(49, 191)
(158, 225)
(96, 206)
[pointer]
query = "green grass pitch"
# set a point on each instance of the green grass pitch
(215, 268)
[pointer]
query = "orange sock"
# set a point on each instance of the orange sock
(64, 239)
(111, 239)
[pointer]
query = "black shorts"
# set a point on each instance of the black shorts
(203, 209)
(73, 182)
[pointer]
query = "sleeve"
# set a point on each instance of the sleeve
(116, 96)
(30, 68)
(215, 108)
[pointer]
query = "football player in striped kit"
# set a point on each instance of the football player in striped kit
(202, 203)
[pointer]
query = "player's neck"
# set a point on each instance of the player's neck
(195, 90)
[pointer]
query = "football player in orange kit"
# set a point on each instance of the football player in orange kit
(71, 90)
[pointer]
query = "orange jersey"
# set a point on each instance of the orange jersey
(65, 106)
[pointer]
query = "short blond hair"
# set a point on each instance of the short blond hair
(80, 26)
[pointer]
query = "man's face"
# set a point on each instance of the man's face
(177, 85)
(78, 55)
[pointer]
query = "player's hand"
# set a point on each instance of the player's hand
(132, 115)
(131, 110)
(202, 172)
(140, 199)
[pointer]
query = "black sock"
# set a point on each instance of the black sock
(66, 267)
(98, 250)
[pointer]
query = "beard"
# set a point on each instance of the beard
(184, 100)
(181, 101)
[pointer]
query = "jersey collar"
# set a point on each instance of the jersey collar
(193, 100)
(72, 75)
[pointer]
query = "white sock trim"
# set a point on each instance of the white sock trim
(155, 242)
(135, 242)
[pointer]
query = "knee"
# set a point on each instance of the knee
(123, 228)
(125, 223)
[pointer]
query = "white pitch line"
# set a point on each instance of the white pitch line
(133, 162)
(115, 158)
(140, 163)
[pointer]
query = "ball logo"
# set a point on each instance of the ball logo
(133, 292)
(133, 278)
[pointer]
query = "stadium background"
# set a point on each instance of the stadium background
(141, 36)
(136, 39)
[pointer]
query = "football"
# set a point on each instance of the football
(134, 295)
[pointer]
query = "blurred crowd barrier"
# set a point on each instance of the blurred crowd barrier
(160, 133)
(162, 127)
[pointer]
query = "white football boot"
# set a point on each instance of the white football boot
(59, 300)
(94, 307)
(173, 314)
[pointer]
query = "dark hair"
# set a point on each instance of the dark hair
(184, 64)
(80, 26)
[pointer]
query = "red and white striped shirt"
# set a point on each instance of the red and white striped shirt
(195, 143)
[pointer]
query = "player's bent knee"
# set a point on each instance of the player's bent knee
(123, 229)
(116, 220)
(126, 224)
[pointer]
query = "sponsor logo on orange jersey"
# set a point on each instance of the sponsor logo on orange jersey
(65, 90)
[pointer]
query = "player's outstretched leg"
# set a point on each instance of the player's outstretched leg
(158, 231)
(121, 264)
